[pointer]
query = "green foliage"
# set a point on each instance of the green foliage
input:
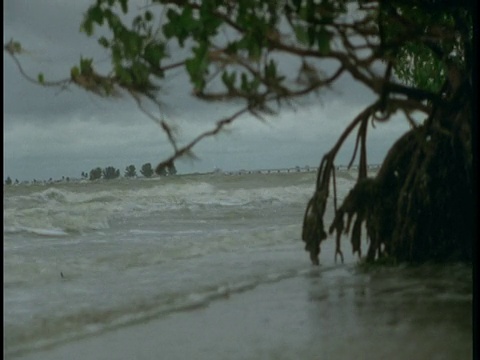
(197, 67)
(136, 53)
(74, 72)
(8, 181)
(130, 171)
(95, 174)
(13, 47)
(86, 66)
(236, 39)
(147, 170)
(110, 173)
(433, 37)
(181, 24)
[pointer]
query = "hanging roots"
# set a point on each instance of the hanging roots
(420, 205)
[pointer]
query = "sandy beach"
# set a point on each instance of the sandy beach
(312, 316)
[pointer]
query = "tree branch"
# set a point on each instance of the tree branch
(184, 150)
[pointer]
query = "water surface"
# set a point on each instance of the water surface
(83, 258)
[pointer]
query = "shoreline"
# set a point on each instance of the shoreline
(372, 170)
(313, 316)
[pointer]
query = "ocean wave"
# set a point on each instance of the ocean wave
(58, 329)
(78, 208)
(52, 232)
(52, 223)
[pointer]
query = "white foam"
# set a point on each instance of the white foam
(114, 252)
(47, 232)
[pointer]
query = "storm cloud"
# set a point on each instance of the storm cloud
(51, 132)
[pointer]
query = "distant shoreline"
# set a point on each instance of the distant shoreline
(297, 169)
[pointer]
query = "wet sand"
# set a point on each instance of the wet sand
(313, 316)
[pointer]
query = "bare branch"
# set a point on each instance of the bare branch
(185, 150)
(13, 48)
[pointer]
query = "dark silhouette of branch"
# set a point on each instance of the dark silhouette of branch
(13, 48)
(186, 150)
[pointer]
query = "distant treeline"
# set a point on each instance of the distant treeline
(111, 172)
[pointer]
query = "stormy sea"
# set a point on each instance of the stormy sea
(86, 259)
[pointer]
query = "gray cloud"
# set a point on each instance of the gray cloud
(48, 133)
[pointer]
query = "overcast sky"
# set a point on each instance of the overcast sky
(50, 133)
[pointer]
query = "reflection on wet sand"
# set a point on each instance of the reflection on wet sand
(422, 312)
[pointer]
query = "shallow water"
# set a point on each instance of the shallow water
(83, 258)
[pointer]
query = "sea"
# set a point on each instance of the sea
(86, 257)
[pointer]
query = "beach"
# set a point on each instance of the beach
(305, 317)
(211, 267)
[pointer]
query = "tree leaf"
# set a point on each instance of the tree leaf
(104, 42)
(323, 41)
(124, 6)
(148, 16)
(301, 35)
